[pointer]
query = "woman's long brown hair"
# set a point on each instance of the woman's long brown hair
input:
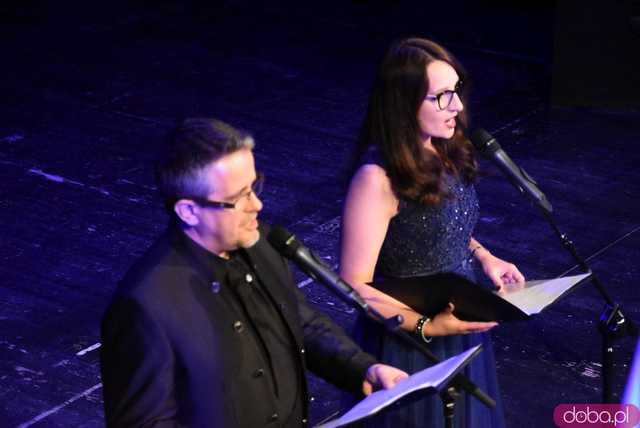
(391, 124)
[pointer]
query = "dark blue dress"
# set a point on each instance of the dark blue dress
(423, 240)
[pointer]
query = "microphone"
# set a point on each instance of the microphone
(287, 245)
(490, 149)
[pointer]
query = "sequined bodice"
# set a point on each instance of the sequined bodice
(427, 239)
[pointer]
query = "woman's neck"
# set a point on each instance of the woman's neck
(428, 145)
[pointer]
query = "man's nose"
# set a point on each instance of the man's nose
(255, 203)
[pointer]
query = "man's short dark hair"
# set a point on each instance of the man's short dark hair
(191, 146)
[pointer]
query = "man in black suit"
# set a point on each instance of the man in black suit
(207, 328)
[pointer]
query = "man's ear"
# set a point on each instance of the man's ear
(188, 211)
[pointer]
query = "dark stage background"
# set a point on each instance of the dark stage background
(87, 91)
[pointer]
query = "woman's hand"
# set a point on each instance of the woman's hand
(445, 324)
(497, 270)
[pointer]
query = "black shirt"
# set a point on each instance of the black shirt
(271, 333)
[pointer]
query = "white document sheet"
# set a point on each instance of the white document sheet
(533, 296)
(432, 377)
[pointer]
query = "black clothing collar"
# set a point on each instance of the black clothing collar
(206, 261)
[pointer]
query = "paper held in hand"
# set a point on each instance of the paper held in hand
(533, 296)
(431, 294)
(425, 382)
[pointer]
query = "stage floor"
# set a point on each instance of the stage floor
(88, 92)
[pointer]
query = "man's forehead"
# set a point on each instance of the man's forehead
(231, 172)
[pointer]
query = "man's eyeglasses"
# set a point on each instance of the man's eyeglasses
(256, 189)
(444, 98)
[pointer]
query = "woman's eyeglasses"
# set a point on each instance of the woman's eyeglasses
(444, 98)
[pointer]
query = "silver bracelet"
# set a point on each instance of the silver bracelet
(420, 331)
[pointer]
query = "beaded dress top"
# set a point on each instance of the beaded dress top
(426, 239)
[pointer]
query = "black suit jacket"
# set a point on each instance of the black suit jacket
(175, 351)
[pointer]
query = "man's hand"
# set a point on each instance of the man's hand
(381, 376)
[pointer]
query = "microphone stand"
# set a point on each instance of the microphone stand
(460, 381)
(613, 324)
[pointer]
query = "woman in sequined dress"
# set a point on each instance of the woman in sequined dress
(410, 210)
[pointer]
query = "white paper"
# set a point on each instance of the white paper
(431, 377)
(533, 296)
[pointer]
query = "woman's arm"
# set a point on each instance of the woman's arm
(368, 209)
(497, 270)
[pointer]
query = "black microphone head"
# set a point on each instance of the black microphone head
(283, 241)
(484, 142)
